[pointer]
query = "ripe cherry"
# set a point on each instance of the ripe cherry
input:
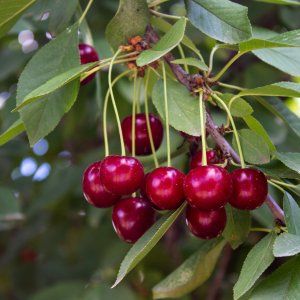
(87, 55)
(250, 188)
(208, 187)
(142, 141)
(121, 175)
(211, 156)
(132, 217)
(206, 224)
(164, 188)
(93, 190)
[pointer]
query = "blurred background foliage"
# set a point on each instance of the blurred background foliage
(53, 245)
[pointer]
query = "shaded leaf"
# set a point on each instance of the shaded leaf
(286, 245)
(239, 107)
(290, 159)
(15, 129)
(292, 214)
(9, 205)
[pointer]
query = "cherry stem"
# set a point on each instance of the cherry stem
(155, 3)
(85, 11)
(159, 14)
(259, 229)
(230, 86)
(148, 120)
(202, 129)
(105, 136)
(234, 129)
(123, 152)
(186, 68)
(138, 104)
(286, 184)
(277, 186)
(167, 115)
(133, 115)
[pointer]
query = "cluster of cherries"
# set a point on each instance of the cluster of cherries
(206, 188)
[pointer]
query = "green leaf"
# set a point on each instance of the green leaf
(15, 129)
(224, 21)
(130, 20)
(256, 126)
(290, 159)
(55, 83)
(257, 261)
(292, 214)
(286, 245)
(168, 42)
(191, 273)
(57, 57)
(282, 284)
(237, 226)
(239, 107)
(254, 148)
(279, 109)
(146, 243)
(10, 12)
(10, 207)
(283, 2)
(183, 107)
(191, 61)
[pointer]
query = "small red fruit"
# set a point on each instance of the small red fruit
(142, 141)
(164, 188)
(211, 156)
(87, 55)
(206, 224)
(250, 188)
(121, 175)
(132, 217)
(93, 190)
(208, 187)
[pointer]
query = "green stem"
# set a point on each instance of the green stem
(202, 126)
(159, 14)
(148, 120)
(85, 11)
(277, 186)
(138, 104)
(155, 3)
(105, 137)
(292, 186)
(186, 68)
(211, 59)
(258, 229)
(233, 127)
(123, 152)
(230, 86)
(237, 56)
(133, 115)
(166, 115)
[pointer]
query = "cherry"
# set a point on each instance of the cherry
(250, 188)
(132, 217)
(93, 190)
(87, 55)
(143, 187)
(211, 156)
(142, 141)
(208, 187)
(121, 175)
(164, 188)
(28, 255)
(206, 224)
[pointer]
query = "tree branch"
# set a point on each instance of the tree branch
(185, 79)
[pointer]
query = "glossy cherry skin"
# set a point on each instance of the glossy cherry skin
(208, 187)
(142, 141)
(250, 188)
(164, 188)
(87, 55)
(132, 217)
(211, 156)
(121, 175)
(206, 224)
(93, 190)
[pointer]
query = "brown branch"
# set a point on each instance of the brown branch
(185, 79)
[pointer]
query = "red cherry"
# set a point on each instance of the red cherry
(250, 188)
(28, 255)
(164, 187)
(121, 175)
(143, 188)
(211, 156)
(142, 141)
(93, 190)
(132, 217)
(206, 224)
(87, 55)
(208, 187)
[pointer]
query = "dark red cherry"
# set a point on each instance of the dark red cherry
(208, 187)
(142, 141)
(121, 175)
(206, 224)
(28, 256)
(93, 190)
(132, 217)
(250, 188)
(143, 187)
(87, 55)
(164, 188)
(211, 156)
